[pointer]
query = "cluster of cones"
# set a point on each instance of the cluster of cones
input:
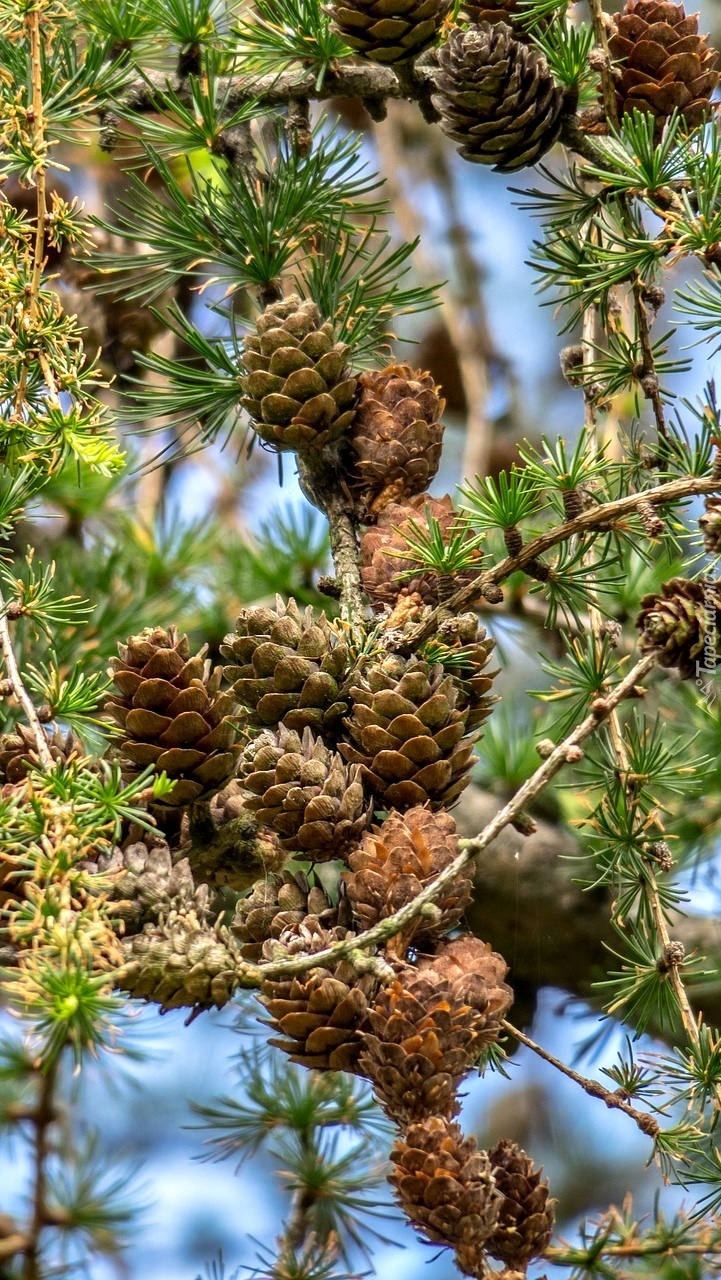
(415, 1026)
(495, 93)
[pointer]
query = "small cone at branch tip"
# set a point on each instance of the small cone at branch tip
(288, 666)
(681, 625)
(710, 526)
(427, 1029)
(281, 903)
(181, 961)
(664, 64)
(388, 570)
(19, 751)
(497, 97)
(390, 31)
(395, 862)
(317, 1014)
(305, 793)
(295, 382)
(409, 735)
(526, 1216)
(173, 715)
(444, 1184)
(396, 438)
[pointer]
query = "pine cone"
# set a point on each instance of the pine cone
(282, 903)
(390, 31)
(478, 11)
(476, 973)
(408, 735)
(18, 751)
(319, 1012)
(468, 663)
(396, 438)
(388, 575)
(289, 667)
(682, 625)
(497, 97)
(709, 524)
(146, 882)
(395, 862)
(427, 1029)
(526, 1216)
(172, 714)
(665, 64)
(296, 386)
(306, 794)
(445, 1186)
(181, 961)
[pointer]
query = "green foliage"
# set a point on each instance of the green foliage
(444, 553)
(222, 224)
(359, 282)
(501, 503)
(300, 1118)
(199, 120)
(566, 47)
(282, 32)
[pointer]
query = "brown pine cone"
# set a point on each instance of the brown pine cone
(305, 793)
(709, 524)
(497, 97)
(388, 570)
(468, 663)
(280, 903)
(396, 437)
(682, 625)
(390, 31)
(409, 735)
(18, 751)
(173, 714)
(296, 385)
(444, 1184)
(288, 666)
(395, 862)
(526, 1216)
(428, 1028)
(317, 1013)
(477, 11)
(665, 64)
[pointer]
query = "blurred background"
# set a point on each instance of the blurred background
(205, 534)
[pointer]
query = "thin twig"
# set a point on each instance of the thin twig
(575, 1257)
(40, 180)
(601, 38)
(19, 690)
(603, 516)
(43, 1118)
(645, 1122)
